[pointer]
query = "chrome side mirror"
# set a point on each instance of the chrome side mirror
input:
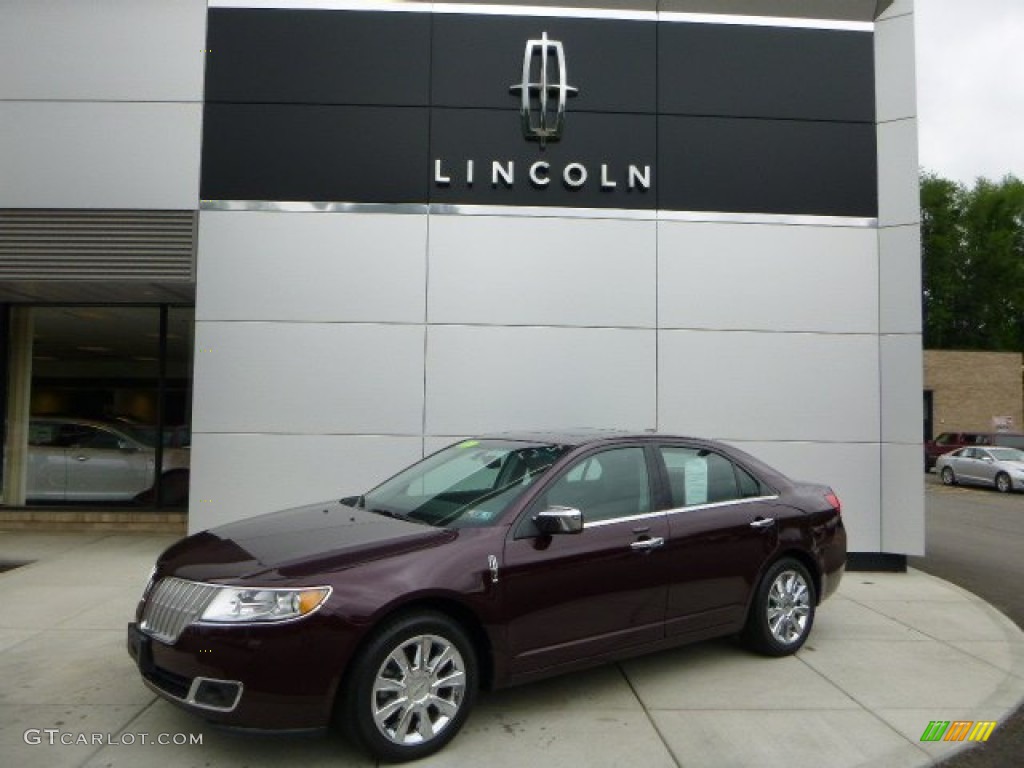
(556, 520)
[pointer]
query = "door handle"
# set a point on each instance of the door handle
(81, 458)
(763, 522)
(646, 545)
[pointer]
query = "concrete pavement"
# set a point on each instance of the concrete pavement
(888, 654)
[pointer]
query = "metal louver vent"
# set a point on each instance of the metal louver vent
(72, 244)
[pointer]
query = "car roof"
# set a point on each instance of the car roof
(577, 437)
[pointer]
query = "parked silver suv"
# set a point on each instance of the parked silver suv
(84, 460)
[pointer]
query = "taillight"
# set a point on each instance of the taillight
(834, 502)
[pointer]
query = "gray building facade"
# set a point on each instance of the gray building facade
(721, 238)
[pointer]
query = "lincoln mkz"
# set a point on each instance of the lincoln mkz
(496, 561)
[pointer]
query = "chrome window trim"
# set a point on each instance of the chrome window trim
(491, 9)
(789, 219)
(326, 5)
(537, 211)
(540, 211)
(715, 505)
(301, 206)
(626, 519)
(766, 21)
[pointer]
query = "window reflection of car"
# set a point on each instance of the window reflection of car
(84, 460)
(1000, 468)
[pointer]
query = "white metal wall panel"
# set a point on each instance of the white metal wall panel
(896, 86)
(900, 279)
(240, 475)
(326, 267)
(902, 388)
(767, 277)
(902, 512)
(308, 378)
(482, 379)
(99, 155)
(898, 198)
(542, 271)
(102, 50)
(769, 386)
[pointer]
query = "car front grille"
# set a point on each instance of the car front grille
(173, 605)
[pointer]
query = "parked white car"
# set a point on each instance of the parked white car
(1001, 468)
(83, 460)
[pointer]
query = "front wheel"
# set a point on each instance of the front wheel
(1003, 483)
(782, 612)
(411, 687)
(948, 478)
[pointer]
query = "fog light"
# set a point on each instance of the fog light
(221, 695)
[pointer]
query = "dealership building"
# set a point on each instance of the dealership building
(314, 241)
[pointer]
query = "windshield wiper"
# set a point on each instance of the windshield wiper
(391, 513)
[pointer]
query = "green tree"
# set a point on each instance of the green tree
(973, 264)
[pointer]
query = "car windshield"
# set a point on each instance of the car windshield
(468, 484)
(1006, 454)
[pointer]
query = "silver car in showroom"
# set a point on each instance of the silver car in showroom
(81, 460)
(994, 466)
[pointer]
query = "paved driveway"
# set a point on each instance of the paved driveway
(888, 654)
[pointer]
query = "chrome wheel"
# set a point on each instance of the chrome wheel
(947, 476)
(789, 607)
(418, 690)
(1003, 483)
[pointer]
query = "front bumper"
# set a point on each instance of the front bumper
(273, 678)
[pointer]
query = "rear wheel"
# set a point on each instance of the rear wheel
(948, 478)
(411, 688)
(1003, 483)
(782, 613)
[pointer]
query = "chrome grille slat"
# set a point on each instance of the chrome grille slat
(174, 604)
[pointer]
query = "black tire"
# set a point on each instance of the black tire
(782, 611)
(1003, 483)
(948, 478)
(374, 720)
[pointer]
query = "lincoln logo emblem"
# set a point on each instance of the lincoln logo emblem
(542, 98)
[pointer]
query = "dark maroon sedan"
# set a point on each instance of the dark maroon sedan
(496, 561)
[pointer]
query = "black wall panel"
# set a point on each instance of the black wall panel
(318, 57)
(740, 71)
(351, 106)
(767, 166)
(477, 58)
(289, 152)
(486, 135)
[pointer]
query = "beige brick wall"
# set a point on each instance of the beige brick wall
(970, 388)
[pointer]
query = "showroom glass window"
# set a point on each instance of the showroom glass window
(109, 406)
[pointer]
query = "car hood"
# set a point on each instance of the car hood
(294, 544)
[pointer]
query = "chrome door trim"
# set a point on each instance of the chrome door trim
(715, 505)
(626, 519)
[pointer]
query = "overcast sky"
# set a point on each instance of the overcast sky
(970, 87)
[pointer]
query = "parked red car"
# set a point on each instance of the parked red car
(493, 562)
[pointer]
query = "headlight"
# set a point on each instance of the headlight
(238, 605)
